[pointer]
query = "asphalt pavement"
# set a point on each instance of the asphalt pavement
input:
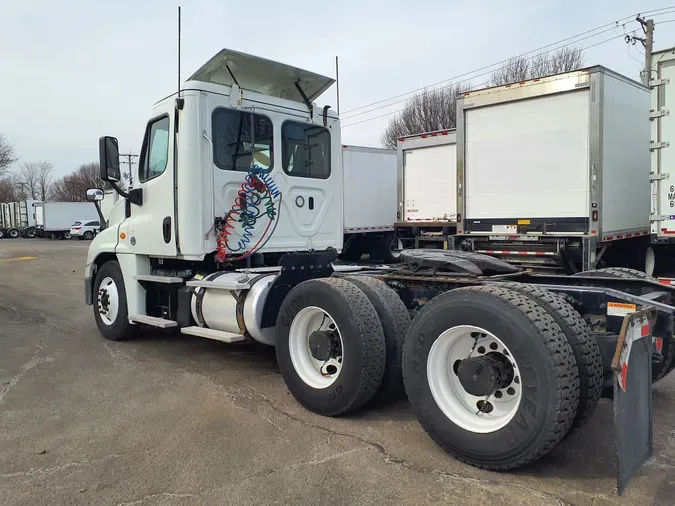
(173, 420)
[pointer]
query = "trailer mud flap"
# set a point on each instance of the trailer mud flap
(632, 366)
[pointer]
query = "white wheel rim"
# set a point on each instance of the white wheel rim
(315, 373)
(650, 261)
(395, 247)
(459, 343)
(108, 301)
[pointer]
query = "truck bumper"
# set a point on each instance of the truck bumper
(88, 287)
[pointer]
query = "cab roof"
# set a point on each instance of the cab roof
(260, 75)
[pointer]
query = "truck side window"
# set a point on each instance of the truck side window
(233, 147)
(305, 150)
(155, 154)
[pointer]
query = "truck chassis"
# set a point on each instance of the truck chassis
(499, 363)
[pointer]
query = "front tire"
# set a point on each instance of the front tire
(531, 415)
(110, 303)
(88, 235)
(330, 346)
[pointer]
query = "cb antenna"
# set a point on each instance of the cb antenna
(179, 51)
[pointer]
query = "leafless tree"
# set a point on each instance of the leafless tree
(520, 68)
(37, 176)
(7, 155)
(10, 190)
(73, 187)
(427, 111)
(436, 109)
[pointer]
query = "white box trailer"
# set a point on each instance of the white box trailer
(427, 187)
(662, 153)
(555, 168)
(369, 208)
(54, 219)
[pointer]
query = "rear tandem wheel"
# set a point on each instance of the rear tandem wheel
(491, 376)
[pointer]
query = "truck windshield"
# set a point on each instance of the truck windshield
(305, 150)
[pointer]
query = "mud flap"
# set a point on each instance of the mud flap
(632, 366)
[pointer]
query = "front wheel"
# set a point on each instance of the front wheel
(110, 303)
(88, 235)
(491, 377)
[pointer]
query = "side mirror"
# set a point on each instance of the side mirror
(94, 194)
(109, 159)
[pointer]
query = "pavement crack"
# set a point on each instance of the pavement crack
(34, 362)
(396, 461)
(117, 355)
(163, 495)
(62, 467)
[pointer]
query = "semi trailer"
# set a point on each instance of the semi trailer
(554, 172)
(54, 219)
(369, 208)
(426, 213)
(17, 219)
(662, 84)
(232, 232)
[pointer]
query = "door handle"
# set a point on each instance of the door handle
(166, 229)
(311, 203)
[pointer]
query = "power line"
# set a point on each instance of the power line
(479, 75)
(604, 28)
(473, 75)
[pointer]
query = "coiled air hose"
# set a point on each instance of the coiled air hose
(258, 196)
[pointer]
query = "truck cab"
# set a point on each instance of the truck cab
(236, 168)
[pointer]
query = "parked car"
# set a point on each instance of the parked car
(85, 229)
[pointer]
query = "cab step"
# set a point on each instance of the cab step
(218, 335)
(162, 323)
(221, 285)
(159, 279)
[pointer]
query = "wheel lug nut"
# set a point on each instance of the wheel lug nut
(498, 394)
(511, 391)
(516, 380)
(481, 349)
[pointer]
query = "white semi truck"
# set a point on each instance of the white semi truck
(231, 233)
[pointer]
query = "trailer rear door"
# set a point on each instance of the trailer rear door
(528, 158)
(429, 183)
(663, 158)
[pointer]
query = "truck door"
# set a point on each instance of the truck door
(149, 229)
(299, 157)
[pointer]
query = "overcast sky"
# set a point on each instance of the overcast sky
(75, 70)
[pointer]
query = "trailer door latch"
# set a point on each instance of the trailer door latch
(658, 145)
(659, 82)
(658, 177)
(658, 114)
(661, 217)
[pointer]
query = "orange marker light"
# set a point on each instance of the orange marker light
(123, 235)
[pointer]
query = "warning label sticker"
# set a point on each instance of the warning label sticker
(620, 309)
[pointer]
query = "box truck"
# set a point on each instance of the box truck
(426, 212)
(54, 219)
(554, 172)
(497, 367)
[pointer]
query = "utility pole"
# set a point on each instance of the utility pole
(130, 163)
(648, 43)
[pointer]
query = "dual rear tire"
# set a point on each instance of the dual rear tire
(497, 375)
